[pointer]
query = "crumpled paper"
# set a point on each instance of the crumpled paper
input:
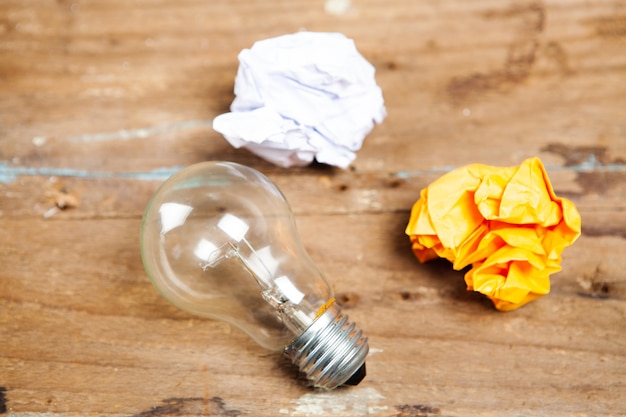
(303, 96)
(505, 222)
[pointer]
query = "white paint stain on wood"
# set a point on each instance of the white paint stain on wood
(374, 351)
(344, 402)
(337, 7)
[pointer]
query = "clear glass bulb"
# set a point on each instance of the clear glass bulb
(218, 240)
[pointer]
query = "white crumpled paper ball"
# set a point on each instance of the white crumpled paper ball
(303, 96)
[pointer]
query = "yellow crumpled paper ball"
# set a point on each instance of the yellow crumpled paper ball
(505, 222)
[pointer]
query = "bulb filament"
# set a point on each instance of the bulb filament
(286, 299)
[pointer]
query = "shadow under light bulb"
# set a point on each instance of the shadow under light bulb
(218, 240)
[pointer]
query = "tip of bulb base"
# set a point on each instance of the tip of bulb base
(331, 352)
(357, 377)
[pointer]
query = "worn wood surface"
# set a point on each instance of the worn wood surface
(101, 100)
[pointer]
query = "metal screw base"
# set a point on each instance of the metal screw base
(330, 351)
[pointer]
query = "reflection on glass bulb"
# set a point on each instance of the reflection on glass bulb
(218, 240)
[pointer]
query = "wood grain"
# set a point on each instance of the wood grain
(100, 101)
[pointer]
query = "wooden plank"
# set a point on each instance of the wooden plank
(111, 329)
(76, 193)
(101, 100)
(573, 89)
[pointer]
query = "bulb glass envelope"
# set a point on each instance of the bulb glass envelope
(219, 240)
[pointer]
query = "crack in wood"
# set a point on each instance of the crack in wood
(3, 400)
(520, 58)
(214, 406)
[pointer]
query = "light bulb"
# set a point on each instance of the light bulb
(218, 240)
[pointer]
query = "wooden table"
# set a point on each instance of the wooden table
(100, 101)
